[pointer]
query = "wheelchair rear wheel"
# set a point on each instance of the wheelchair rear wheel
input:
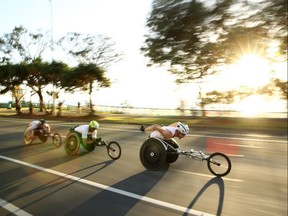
(152, 154)
(72, 144)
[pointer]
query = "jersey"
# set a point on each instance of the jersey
(157, 134)
(84, 130)
(35, 124)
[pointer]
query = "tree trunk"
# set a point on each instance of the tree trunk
(30, 108)
(203, 110)
(92, 111)
(17, 106)
(42, 105)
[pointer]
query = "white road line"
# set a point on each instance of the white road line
(205, 175)
(115, 190)
(13, 209)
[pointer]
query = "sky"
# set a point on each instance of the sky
(133, 83)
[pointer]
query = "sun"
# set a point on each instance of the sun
(251, 70)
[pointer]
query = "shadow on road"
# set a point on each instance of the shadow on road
(218, 181)
(51, 186)
(139, 184)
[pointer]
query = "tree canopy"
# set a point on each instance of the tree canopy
(197, 37)
(23, 46)
(22, 62)
(83, 77)
(86, 49)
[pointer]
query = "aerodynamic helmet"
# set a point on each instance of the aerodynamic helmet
(94, 124)
(183, 128)
(42, 120)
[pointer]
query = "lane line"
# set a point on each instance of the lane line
(206, 175)
(111, 189)
(13, 209)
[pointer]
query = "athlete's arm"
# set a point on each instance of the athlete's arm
(167, 134)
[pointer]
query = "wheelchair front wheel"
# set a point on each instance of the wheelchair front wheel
(219, 164)
(114, 150)
(57, 140)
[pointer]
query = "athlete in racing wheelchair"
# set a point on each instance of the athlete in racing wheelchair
(40, 129)
(84, 135)
(161, 145)
(161, 148)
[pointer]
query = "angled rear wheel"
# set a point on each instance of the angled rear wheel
(43, 138)
(28, 135)
(171, 155)
(72, 144)
(88, 147)
(152, 154)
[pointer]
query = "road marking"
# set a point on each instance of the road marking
(206, 175)
(13, 209)
(115, 190)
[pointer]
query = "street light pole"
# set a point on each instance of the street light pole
(53, 112)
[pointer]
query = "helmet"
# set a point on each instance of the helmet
(93, 124)
(42, 120)
(183, 128)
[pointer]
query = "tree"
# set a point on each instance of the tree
(83, 77)
(275, 87)
(224, 97)
(40, 74)
(198, 38)
(183, 34)
(90, 49)
(21, 46)
(94, 54)
(12, 77)
(272, 19)
(193, 36)
(254, 28)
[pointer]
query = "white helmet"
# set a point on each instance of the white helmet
(183, 128)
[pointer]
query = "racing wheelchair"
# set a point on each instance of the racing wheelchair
(42, 135)
(73, 141)
(155, 152)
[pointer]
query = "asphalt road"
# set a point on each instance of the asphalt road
(40, 179)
